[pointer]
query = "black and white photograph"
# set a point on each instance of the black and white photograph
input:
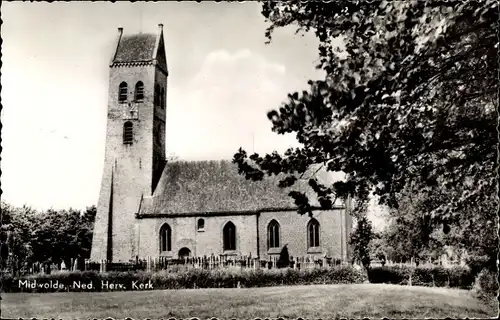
(249, 160)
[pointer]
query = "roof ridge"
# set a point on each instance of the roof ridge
(202, 160)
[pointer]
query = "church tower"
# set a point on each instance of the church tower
(135, 141)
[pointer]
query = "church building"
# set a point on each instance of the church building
(149, 207)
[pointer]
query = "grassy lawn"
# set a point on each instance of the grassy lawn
(325, 301)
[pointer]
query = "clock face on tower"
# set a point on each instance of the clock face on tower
(130, 111)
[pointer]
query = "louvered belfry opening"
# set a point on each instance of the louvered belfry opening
(128, 132)
(139, 92)
(122, 92)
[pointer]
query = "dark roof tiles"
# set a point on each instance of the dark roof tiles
(215, 186)
(135, 48)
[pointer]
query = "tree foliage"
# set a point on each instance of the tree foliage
(360, 241)
(475, 230)
(49, 236)
(378, 247)
(16, 228)
(411, 99)
(62, 235)
(411, 233)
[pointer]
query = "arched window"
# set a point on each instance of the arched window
(165, 238)
(157, 95)
(229, 236)
(313, 233)
(128, 132)
(139, 91)
(201, 224)
(162, 98)
(122, 92)
(273, 234)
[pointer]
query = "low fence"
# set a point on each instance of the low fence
(12, 267)
(210, 263)
(206, 262)
(412, 263)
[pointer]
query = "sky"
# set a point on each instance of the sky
(223, 79)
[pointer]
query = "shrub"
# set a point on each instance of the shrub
(461, 277)
(218, 278)
(392, 274)
(486, 284)
(284, 258)
(438, 276)
(435, 276)
(477, 263)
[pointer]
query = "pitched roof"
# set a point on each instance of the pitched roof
(201, 187)
(135, 48)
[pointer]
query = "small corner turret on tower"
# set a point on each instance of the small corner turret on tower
(160, 55)
(117, 42)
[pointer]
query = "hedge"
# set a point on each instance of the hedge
(194, 278)
(437, 276)
(486, 284)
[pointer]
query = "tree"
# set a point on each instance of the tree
(30, 236)
(411, 100)
(284, 258)
(360, 241)
(409, 229)
(63, 235)
(86, 231)
(475, 230)
(412, 233)
(16, 230)
(378, 247)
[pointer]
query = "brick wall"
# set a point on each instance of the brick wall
(250, 238)
(130, 166)
(293, 232)
(200, 242)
